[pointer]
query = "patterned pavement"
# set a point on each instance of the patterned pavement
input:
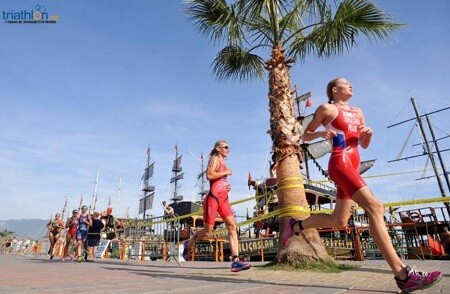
(38, 274)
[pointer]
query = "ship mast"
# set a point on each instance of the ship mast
(118, 194)
(430, 153)
(438, 151)
(94, 197)
(64, 208)
(427, 148)
(146, 202)
(201, 176)
(177, 175)
(81, 203)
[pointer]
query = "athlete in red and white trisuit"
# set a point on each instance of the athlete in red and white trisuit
(217, 202)
(345, 126)
(71, 235)
(217, 199)
(343, 166)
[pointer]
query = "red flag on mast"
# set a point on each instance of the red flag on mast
(249, 180)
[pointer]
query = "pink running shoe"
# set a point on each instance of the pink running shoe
(288, 231)
(417, 280)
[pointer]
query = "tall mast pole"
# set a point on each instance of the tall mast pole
(146, 201)
(94, 197)
(430, 153)
(175, 193)
(438, 151)
(64, 208)
(177, 175)
(81, 202)
(146, 183)
(202, 174)
(118, 194)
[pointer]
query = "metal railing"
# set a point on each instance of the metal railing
(155, 239)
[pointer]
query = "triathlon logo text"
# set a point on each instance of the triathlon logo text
(37, 15)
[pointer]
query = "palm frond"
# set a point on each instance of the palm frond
(270, 10)
(336, 35)
(260, 31)
(292, 20)
(215, 19)
(366, 17)
(249, 8)
(302, 46)
(237, 64)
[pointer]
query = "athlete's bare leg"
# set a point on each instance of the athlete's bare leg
(338, 218)
(52, 242)
(230, 224)
(199, 235)
(378, 231)
(66, 246)
(80, 247)
(375, 211)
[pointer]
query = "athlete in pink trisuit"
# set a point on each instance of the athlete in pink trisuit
(346, 127)
(217, 202)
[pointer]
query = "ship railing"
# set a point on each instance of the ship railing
(265, 247)
(338, 242)
(341, 243)
(426, 214)
(319, 185)
(360, 218)
(209, 249)
(355, 243)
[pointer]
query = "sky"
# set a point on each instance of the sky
(112, 78)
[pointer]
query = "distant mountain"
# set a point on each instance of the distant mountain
(30, 228)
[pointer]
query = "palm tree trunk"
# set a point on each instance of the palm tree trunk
(286, 133)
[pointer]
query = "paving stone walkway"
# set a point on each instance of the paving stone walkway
(38, 274)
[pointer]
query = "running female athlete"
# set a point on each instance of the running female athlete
(71, 235)
(84, 222)
(346, 127)
(217, 202)
(54, 228)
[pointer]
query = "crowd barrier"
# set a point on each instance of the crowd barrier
(156, 238)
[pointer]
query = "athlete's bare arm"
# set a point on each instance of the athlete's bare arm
(323, 116)
(211, 171)
(365, 133)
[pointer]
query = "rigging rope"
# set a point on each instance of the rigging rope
(406, 142)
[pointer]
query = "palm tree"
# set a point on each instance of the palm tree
(291, 30)
(5, 233)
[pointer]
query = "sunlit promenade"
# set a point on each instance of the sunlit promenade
(38, 274)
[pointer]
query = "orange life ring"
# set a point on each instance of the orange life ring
(415, 217)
